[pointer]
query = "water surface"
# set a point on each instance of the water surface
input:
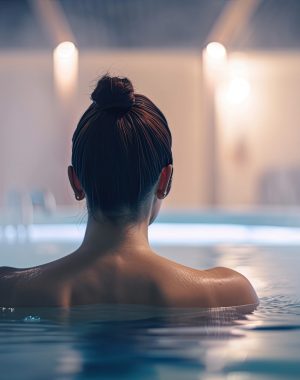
(141, 342)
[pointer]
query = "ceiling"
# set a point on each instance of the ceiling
(98, 24)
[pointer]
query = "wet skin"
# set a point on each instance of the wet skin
(115, 264)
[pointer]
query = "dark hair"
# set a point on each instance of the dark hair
(120, 146)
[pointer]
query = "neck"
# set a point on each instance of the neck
(103, 236)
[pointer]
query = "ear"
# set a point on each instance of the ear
(164, 182)
(75, 183)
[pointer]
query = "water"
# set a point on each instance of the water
(140, 342)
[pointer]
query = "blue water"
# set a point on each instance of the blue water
(140, 342)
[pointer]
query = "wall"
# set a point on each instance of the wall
(257, 141)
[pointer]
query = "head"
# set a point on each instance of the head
(121, 154)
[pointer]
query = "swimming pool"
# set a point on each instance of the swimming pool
(140, 342)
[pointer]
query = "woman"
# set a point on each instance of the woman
(122, 165)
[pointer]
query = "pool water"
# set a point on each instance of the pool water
(140, 342)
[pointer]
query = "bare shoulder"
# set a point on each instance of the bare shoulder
(231, 288)
(7, 282)
(26, 287)
(228, 274)
(217, 287)
(7, 273)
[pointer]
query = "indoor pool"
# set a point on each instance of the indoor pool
(140, 342)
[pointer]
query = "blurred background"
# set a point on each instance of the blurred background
(226, 73)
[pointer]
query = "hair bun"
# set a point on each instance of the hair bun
(113, 93)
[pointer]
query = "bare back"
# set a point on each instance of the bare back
(136, 278)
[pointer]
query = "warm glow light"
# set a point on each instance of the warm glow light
(65, 59)
(215, 51)
(65, 50)
(214, 63)
(238, 90)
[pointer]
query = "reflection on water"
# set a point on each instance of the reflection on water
(140, 342)
(127, 341)
(134, 342)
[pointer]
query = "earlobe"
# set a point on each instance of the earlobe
(160, 194)
(79, 197)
